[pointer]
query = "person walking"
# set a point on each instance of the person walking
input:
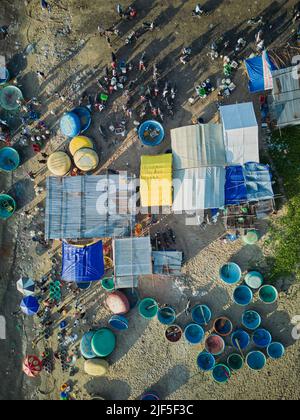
(45, 5)
(41, 75)
(198, 11)
(108, 40)
(113, 60)
(32, 175)
(120, 10)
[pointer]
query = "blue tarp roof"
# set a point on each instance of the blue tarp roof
(84, 264)
(248, 183)
(259, 71)
(258, 181)
(235, 188)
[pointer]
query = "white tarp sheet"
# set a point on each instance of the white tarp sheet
(241, 134)
(199, 189)
(198, 145)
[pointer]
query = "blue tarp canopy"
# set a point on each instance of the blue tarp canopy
(258, 181)
(248, 183)
(82, 264)
(259, 70)
(235, 187)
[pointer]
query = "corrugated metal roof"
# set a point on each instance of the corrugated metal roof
(90, 207)
(198, 145)
(156, 181)
(167, 262)
(199, 189)
(132, 257)
(285, 101)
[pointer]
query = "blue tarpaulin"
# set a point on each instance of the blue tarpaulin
(82, 264)
(235, 187)
(259, 70)
(248, 183)
(258, 181)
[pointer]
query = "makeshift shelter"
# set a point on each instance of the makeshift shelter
(284, 103)
(197, 146)
(238, 217)
(258, 182)
(82, 263)
(249, 183)
(132, 258)
(26, 286)
(259, 69)
(235, 187)
(156, 181)
(199, 188)
(199, 159)
(167, 262)
(90, 207)
(240, 133)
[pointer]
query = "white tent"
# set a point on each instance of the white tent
(199, 188)
(240, 133)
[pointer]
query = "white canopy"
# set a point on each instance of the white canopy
(198, 145)
(199, 189)
(240, 133)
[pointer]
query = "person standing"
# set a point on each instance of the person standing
(45, 5)
(120, 10)
(113, 60)
(41, 75)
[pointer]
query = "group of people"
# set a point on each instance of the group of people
(128, 13)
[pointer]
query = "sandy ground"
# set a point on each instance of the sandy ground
(143, 360)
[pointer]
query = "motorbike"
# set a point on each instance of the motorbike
(170, 108)
(199, 12)
(166, 90)
(156, 90)
(131, 38)
(160, 114)
(148, 26)
(258, 21)
(102, 132)
(155, 73)
(173, 92)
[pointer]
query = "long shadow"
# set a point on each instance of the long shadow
(23, 192)
(211, 5)
(52, 71)
(173, 380)
(17, 64)
(280, 325)
(111, 390)
(137, 327)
